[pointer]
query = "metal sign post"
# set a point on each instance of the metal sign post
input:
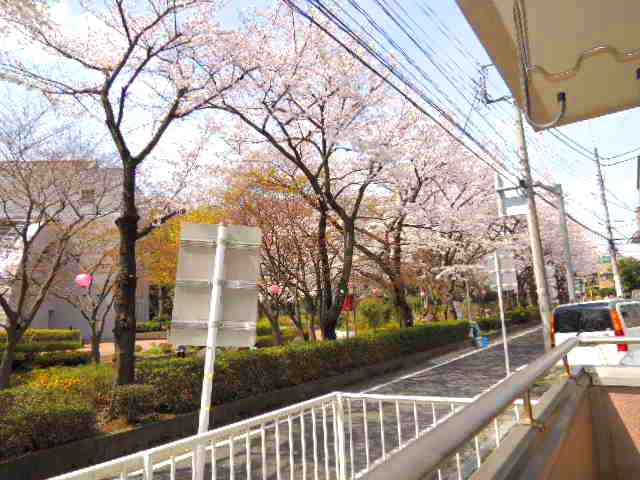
(215, 314)
(496, 257)
(211, 309)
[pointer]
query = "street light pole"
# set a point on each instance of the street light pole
(540, 274)
(612, 246)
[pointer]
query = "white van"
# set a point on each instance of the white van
(601, 318)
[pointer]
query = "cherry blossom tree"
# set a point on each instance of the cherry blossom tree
(420, 151)
(324, 114)
(94, 252)
(43, 174)
(290, 256)
(139, 67)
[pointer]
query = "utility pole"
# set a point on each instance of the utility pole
(612, 246)
(539, 271)
(564, 230)
(568, 262)
(540, 274)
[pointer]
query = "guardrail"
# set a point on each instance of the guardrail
(340, 435)
(425, 456)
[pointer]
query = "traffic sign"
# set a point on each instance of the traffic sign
(195, 281)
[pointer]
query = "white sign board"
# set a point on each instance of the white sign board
(194, 283)
(507, 270)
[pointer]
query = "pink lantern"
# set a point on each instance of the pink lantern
(423, 293)
(275, 289)
(84, 280)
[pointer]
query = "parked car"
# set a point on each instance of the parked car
(616, 317)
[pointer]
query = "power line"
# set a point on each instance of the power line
(619, 162)
(332, 17)
(399, 76)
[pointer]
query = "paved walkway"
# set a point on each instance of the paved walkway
(463, 373)
(107, 349)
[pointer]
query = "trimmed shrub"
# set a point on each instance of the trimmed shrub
(177, 382)
(241, 374)
(57, 359)
(35, 340)
(46, 335)
(32, 419)
(39, 347)
(270, 340)
(91, 382)
(27, 361)
(375, 311)
(263, 328)
(132, 402)
(152, 326)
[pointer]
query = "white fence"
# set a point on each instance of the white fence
(336, 436)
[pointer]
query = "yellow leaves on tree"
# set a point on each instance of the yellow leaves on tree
(159, 251)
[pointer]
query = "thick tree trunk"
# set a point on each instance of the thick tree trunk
(401, 304)
(274, 321)
(399, 288)
(95, 346)
(125, 302)
(8, 356)
(333, 315)
(328, 319)
(312, 312)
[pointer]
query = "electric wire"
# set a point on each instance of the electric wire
(569, 143)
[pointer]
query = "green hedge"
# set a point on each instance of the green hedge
(132, 401)
(36, 340)
(270, 340)
(150, 327)
(517, 316)
(241, 374)
(60, 404)
(51, 359)
(53, 346)
(46, 335)
(32, 419)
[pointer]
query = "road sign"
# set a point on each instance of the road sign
(194, 285)
(507, 270)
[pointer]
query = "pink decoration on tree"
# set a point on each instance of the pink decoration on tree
(84, 280)
(275, 289)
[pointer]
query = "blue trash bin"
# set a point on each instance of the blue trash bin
(485, 342)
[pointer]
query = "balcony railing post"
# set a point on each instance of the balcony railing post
(342, 448)
(528, 408)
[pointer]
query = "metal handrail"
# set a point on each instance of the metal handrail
(454, 432)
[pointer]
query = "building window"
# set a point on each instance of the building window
(87, 196)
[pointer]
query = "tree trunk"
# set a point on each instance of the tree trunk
(328, 319)
(273, 321)
(95, 346)
(125, 302)
(399, 289)
(333, 315)
(311, 311)
(161, 297)
(8, 356)
(401, 304)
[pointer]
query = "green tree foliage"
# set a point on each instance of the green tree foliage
(630, 273)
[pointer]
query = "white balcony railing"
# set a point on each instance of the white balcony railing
(340, 435)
